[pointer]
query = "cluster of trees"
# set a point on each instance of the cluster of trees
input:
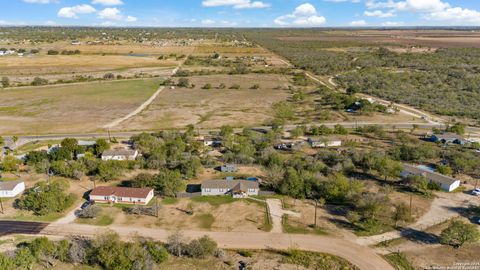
(63, 160)
(64, 52)
(46, 198)
(106, 251)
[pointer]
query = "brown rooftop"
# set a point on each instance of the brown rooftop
(121, 192)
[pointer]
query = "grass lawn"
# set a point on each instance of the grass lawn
(28, 216)
(205, 220)
(399, 261)
(169, 201)
(288, 227)
(101, 220)
(71, 108)
(215, 201)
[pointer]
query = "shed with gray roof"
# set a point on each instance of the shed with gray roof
(10, 189)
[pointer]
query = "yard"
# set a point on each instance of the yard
(84, 107)
(202, 213)
(211, 108)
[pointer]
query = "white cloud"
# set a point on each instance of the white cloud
(379, 13)
(72, 12)
(409, 5)
(437, 10)
(237, 4)
(40, 1)
(107, 2)
(342, 1)
(110, 14)
(456, 15)
(131, 19)
(208, 22)
(358, 23)
(304, 15)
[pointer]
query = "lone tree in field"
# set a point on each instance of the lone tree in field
(5, 82)
(459, 233)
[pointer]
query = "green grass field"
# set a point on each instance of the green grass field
(83, 107)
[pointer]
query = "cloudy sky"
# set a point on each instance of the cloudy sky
(241, 13)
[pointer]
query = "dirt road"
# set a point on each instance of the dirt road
(277, 212)
(362, 257)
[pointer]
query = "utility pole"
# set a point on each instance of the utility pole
(476, 184)
(1, 204)
(109, 137)
(411, 198)
(316, 206)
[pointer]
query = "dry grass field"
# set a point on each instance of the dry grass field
(68, 64)
(208, 108)
(82, 107)
(423, 38)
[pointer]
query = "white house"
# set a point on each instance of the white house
(235, 188)
(120, 154)
(447, 183)
(124, 195)
(324, 142)
(10, 189)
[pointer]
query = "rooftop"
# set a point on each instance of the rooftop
(231, 184)
(119, 152)
(9, 185)
(436, 177)
(121, 192)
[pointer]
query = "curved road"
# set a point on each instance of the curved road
(361, 256)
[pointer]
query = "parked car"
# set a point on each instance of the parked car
(476, 192)
(87, 204)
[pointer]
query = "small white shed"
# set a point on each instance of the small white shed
(10, 189)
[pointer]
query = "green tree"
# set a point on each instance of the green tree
(293, 185)
(101, 145)
(459, 233)
(9, 164)
(6, 262)
(388, 168)
(5, 82)
(339, 129)
(169, 182)
(157, 251)
(445, 169)
(45, 198)
(71, 144)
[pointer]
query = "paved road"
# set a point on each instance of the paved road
(362, 257)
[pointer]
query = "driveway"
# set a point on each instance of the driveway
(276, 213)
(443, 208)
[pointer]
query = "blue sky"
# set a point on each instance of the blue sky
(241, 13)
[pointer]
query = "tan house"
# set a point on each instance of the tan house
(124, 195)
(120, 154)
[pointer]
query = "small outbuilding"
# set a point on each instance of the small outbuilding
(324, 142)
(11, 189)
(120, 154)
(449, 138)
(228, 168)
(123, 195)
(445, 182)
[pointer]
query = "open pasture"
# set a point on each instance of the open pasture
(73, 108)
(210, 108)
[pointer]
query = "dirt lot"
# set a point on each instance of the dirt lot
(70, 108)
(175, 108)
(229, 215)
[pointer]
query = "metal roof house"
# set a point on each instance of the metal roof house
(10, 189)
(236, 188)
(323, 142)
(120, 154)
(449, 137)
(122, 195)
(447, 183)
